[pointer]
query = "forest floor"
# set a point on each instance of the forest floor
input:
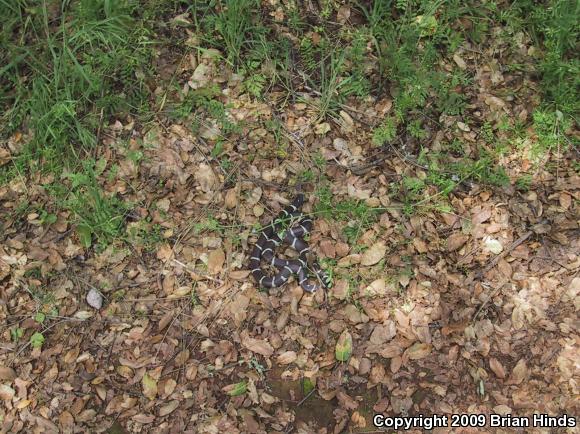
(448, 220)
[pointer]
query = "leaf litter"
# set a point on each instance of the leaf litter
(455, 311)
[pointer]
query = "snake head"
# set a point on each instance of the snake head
(298, 200)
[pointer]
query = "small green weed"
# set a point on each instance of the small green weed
(386, 132)
(98, 215)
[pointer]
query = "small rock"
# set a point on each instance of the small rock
(95, 299)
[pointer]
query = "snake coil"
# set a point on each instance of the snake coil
(272, 236)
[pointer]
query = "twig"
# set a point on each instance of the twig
(305, 398)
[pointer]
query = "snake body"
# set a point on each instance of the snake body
(272, 236)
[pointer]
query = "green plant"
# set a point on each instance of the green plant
(16, 333)
(524, 182)
(233, 23)
(63, 74)
(416, 130)
(550, 127)
(386, 132)
(37, 340)
(98, 215)
(357, 215)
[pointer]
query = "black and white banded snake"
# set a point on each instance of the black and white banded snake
(272, 236)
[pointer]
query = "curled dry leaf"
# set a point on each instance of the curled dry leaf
(383, 333)
(231, 198)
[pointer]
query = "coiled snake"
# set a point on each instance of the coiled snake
(290, 226)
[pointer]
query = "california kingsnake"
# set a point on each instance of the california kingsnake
(272, 236)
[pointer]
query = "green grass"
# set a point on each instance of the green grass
(69, 68)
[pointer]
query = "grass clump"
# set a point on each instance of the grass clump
(68, 66)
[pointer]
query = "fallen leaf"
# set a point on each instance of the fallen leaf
(7, 373)
(383, 333)
(236, 389)
(519, 372)
(456, 241)
(168, 408)
(343, 14)
(497, 367)
(286, 357)
(492, 245)
(417, 351)
(6, 392)
(215, 261)
(206, 178)
(502, 409)
(343, 348)
(459, 61)
(322, 129)
(149, 386)
(565, 200)
(374, 254)
(258, 346)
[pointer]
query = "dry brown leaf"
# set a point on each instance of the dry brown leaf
(346, 401)
(149, 386)
(455, 241)
(417, 351)
(383, 333)
(7, 373)
(143, 418)
(206, 178)
(6, 392)
(164, 252)
(396, 363)
(374, 254)
(502, 409)
(519, 372)
(258, 346)
(342, 249)
(565, 200)
(231, 199)
(169, 284)
(497, 367)
(286, 357)
(420, 245)
(168, 408)
(340, 289)
(391, 350)
(66, 420)
(215, 261)
(328, 249)
(343, 14)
